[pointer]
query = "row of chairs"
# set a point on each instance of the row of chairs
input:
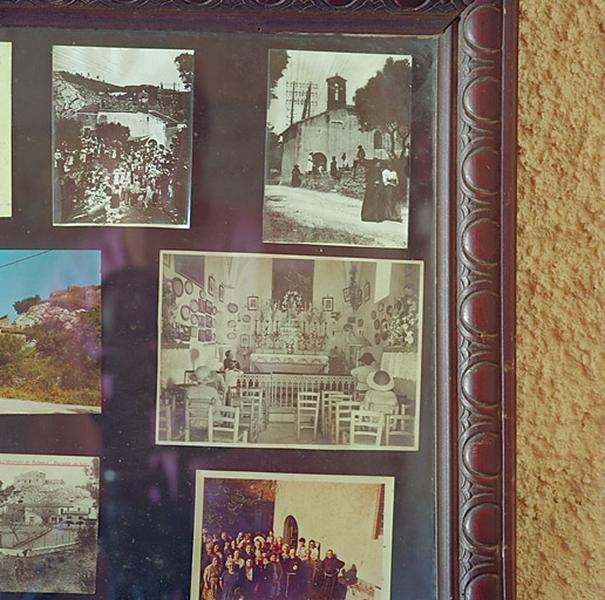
(243, 421)
(343, 420)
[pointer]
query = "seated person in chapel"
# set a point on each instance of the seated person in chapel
(360, 374)
(229, 362)
(380, 396)
(206, 388)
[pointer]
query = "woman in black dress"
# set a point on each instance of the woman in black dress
(372, 208)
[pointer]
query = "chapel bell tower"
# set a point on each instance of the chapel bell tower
(337, 92)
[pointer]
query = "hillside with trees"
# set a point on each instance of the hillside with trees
(52, 351)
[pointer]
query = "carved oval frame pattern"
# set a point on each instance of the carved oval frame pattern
(481, 494)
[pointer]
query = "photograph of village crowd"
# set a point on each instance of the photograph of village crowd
(122, 136)
(270, 536)
(286, 351)
(48, 524)
(337, 150)
(50, 331)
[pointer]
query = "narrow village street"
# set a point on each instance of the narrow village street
(299, 215)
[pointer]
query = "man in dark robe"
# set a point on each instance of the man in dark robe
(331, 567)
(294, 576)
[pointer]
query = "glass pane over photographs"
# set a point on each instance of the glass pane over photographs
(338, 148)
(301, 352)
(147, 488)
(5, 129)
(49, 508)
(259, 533)
(50, 331)
(122, 136)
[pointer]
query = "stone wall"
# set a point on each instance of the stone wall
(560, 335)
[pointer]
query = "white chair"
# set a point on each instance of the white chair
(224, 425)
(342, 419)
(331, 402)
(196, 414)
(250, 415)
(307, 412)
(258, 395)
(395, 427)
(325, 406)
(366, 427)
(383, 407)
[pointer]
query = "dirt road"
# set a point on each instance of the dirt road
(313, 217)
(11, 406)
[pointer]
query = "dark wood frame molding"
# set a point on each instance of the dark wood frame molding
(475, 235)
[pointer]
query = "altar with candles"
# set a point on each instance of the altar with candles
(288, 326)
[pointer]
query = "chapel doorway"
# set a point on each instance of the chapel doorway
(320, 161)
(291, 531)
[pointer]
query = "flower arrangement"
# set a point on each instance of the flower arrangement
(403, 326)
(292, 302)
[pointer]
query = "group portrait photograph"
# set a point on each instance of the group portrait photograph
(338, 148)
(289, 351)
(278, 536)
(122, 130)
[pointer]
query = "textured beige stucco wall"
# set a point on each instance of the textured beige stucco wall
(561, 266)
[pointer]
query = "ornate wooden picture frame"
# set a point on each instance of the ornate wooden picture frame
(473, 237)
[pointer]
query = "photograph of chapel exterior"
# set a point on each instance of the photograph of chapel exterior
(263, 536)
(337, 149)
(49, 509)
(122, 136)
(289, 351)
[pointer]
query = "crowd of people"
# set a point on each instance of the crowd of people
(100, 178)
(264, 567)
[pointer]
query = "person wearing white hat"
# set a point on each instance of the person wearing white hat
(360, 374)
(205, 391)
(380, 395)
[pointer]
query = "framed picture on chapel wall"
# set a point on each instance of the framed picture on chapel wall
(298, 254)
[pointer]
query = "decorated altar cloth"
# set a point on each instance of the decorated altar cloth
(310, 364)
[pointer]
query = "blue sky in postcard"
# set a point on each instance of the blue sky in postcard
(25, 273)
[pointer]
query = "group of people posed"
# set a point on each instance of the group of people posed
(385, 182)
(264, 567)
(385, 190)
(96, 175)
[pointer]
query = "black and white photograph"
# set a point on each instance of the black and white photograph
(122, 136)
(337, 149)
(49, 509)
(277, 536)
(294, 357)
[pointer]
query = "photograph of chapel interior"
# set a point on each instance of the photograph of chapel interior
(282, 351)
(257, 537)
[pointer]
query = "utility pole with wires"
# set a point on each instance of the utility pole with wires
(299, 93)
